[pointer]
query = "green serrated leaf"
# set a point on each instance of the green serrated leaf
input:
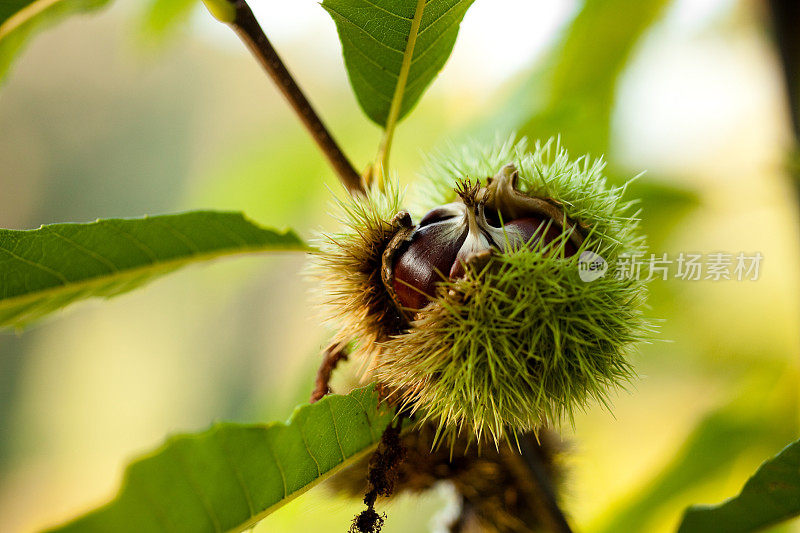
(758, 420)
(20, 18)
(377, 36)
(232, 476)
(771, 496)
(46, 269)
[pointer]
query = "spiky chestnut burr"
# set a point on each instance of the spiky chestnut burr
(496, 333)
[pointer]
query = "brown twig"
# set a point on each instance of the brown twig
(785, 20)
(331, 356)
(247, 28)
(532, 456)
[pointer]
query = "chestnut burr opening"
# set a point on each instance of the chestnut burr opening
(449, 236)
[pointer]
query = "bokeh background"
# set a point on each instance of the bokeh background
(152, 107)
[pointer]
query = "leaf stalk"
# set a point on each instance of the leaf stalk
(250, 32)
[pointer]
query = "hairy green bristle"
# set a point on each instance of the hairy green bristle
(520, 344)
(546, 171)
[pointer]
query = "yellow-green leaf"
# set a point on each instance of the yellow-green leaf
(232, 476)
(771, 496)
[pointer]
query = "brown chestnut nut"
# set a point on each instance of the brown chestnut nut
(426, 260)
(532, 229)
(448, 237)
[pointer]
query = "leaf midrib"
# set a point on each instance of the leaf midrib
(399, 91)
(421, 31)
(344, 464)
(254, 520)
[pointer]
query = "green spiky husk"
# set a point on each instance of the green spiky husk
(516, 346)
(523, 342)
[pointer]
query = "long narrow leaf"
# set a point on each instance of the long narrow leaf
(46, 269)
(771, 496)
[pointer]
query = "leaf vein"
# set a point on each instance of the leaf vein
(308, 449)
(352, 24)
(239, 478)
(368, 58)
(207, 507)
(440, 17)
(432, 46)
(235, 237)
(49, 270)
(185, 239)
(378, 91)
(280, 468)
(336, 431)
(107, 262)
(366, 414)
(136, 242)
(379, 8)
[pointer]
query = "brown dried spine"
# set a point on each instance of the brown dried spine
(505, 196)
(404, 232)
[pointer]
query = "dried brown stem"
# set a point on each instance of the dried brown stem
(332, 355)
(506, 197)
(381, 477)
(785, 20)
(532, 456)
(246, 26)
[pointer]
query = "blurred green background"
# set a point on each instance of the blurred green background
(151, 108)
